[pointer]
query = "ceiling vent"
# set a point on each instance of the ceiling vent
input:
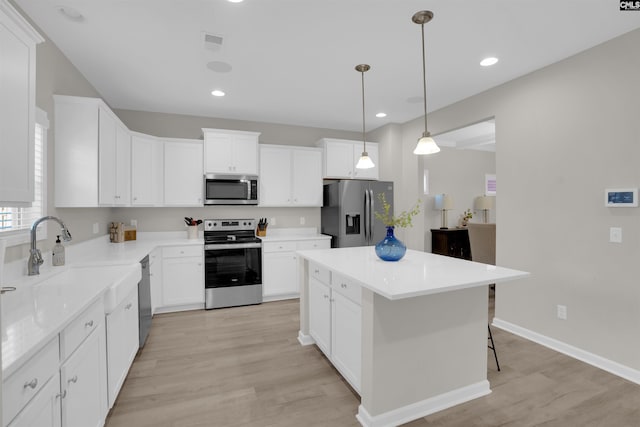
(213, 41)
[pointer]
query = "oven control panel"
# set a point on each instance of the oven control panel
(229, 224)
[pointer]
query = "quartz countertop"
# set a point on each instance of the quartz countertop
(292, 234)
(43, 305)
(418, 273)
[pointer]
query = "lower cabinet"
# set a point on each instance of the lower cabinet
(280, 267)
(182, 277)
(335, 321)
(82, 383)
(122, 343)
(155, 275)
(44, 409)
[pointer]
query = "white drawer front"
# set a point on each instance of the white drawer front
(19, 388)
(182, 251)
(314, 244)
(347, 287)
(80, 328)
(319, 273)
(278, 247)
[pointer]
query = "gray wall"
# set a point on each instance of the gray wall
(564, 134)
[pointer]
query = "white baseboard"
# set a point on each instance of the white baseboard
(615, 368)
(281, 297)
(426, 407)
(304, 339)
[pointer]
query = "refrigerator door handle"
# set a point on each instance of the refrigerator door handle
(372, 205)
(366, 217)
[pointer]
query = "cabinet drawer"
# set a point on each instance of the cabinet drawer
(182, 251)
(19, 388)
(278, 247)
(347, 287)
(314, 244)
(80, 328)
(319, 273)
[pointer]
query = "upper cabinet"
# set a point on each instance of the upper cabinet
(147, 170)
(290, 176)
(17, 106)
(183, 178)
(92, 154)
(341, 156)
(230, 152)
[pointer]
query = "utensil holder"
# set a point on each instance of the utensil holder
(261, 233)
(192, 231)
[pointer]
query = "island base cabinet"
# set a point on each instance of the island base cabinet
(346, 342)
(320, 315)
(83, 383)
(44, 409)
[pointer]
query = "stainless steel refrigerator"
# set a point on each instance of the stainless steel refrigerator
(348, 212)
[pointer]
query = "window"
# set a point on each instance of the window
(15, 222)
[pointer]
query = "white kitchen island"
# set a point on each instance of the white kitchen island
(409, 336)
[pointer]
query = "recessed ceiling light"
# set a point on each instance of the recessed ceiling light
(486, 62)
(235, 1)
(71, 13)
(217, 92)
(381, 115)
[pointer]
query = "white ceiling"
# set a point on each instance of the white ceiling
(293, 60)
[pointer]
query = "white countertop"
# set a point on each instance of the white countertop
(293, 234)
(42, 305)
(418, 273)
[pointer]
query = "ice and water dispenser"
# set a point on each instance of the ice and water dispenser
(352, 225)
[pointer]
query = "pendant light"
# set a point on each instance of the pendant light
(426, 144)
(365, 161)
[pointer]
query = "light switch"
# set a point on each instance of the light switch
(96, 228)
(615, 235)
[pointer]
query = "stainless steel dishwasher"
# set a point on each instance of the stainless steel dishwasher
(144, 301)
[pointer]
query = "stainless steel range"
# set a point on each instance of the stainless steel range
(232, 263)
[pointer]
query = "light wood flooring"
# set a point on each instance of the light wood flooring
(243, 366)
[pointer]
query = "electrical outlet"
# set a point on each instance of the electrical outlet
(615, 235)
(562, 312)
(134, 223)
(96, 228)
(272, 221)
(303, 221)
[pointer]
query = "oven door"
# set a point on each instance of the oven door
(234, 264)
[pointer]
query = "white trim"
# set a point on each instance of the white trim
(304, 339)
(423, 408)
(608, 365)
(20, 22)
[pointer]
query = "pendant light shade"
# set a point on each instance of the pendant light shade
(365, 161)
(426, 144)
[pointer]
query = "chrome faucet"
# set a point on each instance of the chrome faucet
(35, 259)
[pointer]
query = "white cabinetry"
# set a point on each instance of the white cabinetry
(114, 160)
(280, 267)
(44, 409)
(155, 275)
(341, 156)
(183, 177)
(182, 277)
(92, 154)
(230, 152)
(290, 176)
(17, 106)
(122, 343)
(147, 170)
(335, 321)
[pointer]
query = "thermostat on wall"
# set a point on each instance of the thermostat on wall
(621, 198)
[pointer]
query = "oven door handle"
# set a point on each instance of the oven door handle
(223, 246)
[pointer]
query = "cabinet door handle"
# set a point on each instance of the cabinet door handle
(316, 271)
(343, 286)
(31, 384)
(73, 380)
(128, 306)
(89, 324)
(61, 395)
(326, 296)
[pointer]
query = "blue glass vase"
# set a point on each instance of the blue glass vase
(390, 248)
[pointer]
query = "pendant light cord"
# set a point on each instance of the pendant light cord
(424, 78)
(364, 141)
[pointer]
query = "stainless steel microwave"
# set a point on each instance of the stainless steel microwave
(230, 189)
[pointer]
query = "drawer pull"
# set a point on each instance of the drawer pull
(89, 324)
(31, 384)
(316, 271)
(128, 306)
(326, 296)
(73, 380)
(343, 286)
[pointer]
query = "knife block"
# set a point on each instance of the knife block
(261, 233)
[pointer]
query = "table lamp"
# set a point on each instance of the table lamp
(444, 202)
(484, 204)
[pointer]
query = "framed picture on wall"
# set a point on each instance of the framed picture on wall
(490, 185)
